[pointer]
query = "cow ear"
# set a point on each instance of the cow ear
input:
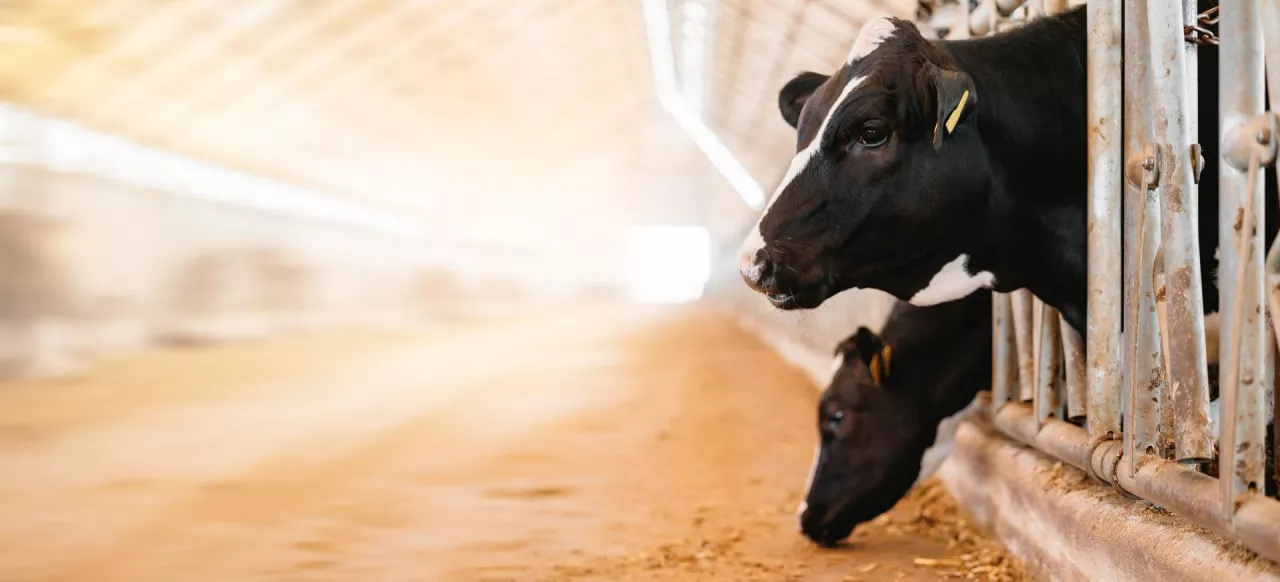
(956, 97)
(795, 93)
(877, 355)
(868, 344)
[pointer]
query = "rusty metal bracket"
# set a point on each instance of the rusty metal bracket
(1143, 170)
(1242, 139)
(1150, 166)
(1197, 162)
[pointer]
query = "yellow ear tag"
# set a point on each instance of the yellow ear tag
(885, 355)
(955, 115)
(875, 369)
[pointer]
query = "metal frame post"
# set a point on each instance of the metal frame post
(1186, 359)
(1004, 380)
(1104, 278)
(1242, 426)
(1144, 360)
(1048, 364)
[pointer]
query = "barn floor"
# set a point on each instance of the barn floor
(597, 444)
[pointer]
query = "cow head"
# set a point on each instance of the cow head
(873, 439)
(890, 185)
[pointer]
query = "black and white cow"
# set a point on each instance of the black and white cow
(881, 411)
(932, 169)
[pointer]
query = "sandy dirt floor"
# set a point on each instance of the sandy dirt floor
(597, 444)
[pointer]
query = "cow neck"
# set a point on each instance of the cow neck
(957, 366)
(1031, 113)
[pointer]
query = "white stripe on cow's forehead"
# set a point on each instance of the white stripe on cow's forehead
(755, 240)
(802, 159)
(873, 33)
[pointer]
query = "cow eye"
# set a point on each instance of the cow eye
(833, 422)
(873, 136)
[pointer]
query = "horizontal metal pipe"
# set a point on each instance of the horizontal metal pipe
(1182, 491)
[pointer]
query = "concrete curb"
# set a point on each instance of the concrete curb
(1067, 528)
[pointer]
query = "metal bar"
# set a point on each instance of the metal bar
(982, 21)
(1023, 301)
(1055, 6)
(1242, 426)
(1073, 356)
(1186, 357)
(1035, 9)
(1005, 364)
(1182, 491)
(1271, 32)
(961, 30)
(1104, 279)
(1144, 362)
(1269, 391)
(1048, 364)
(1168, 434)
(1190, 11)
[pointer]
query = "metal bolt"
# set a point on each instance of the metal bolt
(1197, 162)
(1148, 163)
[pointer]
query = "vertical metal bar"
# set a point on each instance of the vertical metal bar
(1144, 361)
(964, 30)
(1184, 296)
(1073, 360)
(1190, 12)
(1105, 99)
(1269, 392)
(1037, 307)
(1022, 316)
(1271, 32)
(1048, 364)
(1005, 364)
(1035, 9)
(1168, 412)
(1242, 437)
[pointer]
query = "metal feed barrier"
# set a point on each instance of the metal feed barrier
(1135, 411)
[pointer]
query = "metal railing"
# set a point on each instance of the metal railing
(1134, 410)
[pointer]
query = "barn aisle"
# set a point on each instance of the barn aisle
(603, 443)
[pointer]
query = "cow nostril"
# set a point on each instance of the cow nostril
(757, 270)
(765, 266)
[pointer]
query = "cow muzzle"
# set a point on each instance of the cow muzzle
(780, 282)
(817, 524)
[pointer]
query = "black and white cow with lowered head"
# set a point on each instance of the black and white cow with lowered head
(932, 169)
(880, 414)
